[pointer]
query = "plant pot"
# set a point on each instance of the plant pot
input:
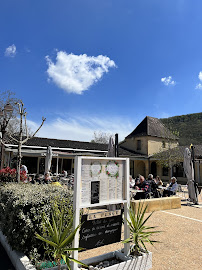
(143, 262)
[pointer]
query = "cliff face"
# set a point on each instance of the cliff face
(189, 127)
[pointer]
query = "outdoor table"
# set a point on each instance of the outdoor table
(161, 189)
(133, 192)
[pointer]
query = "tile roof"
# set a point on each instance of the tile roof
(74, 145)
(124, 152)
(151, 126)
(44, 142)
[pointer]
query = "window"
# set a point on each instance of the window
(178, 170)
(138, 144)
(165, 171)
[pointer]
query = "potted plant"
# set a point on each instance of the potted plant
(139, 257)
(59, 237)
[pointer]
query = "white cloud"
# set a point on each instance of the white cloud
(82, 128)
(200, 75)
(199, 86)
(168, 81)
(10, 51)
(76, 73)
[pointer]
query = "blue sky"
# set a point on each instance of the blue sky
(101, 65)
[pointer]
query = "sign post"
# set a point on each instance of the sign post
(100, 181)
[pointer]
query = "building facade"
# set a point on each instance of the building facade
(151, 148)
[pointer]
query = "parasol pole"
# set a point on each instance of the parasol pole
(116, 145)
(193, 159)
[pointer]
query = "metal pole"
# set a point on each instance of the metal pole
(193, 160)
(116, 145)
(3, 132)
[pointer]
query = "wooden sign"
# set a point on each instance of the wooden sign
(99, 232)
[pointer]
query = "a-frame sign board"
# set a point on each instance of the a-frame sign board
(100, 181)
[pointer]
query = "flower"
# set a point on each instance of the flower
(7, 175)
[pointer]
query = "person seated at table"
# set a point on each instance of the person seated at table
(31, 180)
(131, 182)
(47, 178)
(37, 179)
(171, 189)
(158, 181)
(153, 185)
(142, 186)
(159, 184)
(137, 179)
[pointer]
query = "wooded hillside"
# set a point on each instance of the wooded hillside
(189, 127)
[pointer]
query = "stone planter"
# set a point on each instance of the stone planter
(143, 262)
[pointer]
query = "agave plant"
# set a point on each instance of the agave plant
(139, 232)
(59, 237)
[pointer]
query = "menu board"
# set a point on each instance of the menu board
(101, 181)
(99, 232)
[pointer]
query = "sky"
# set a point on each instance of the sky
(92, 65)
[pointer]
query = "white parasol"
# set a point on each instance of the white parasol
(111, 148)
(189, 171)
(48, 159)
(188, 164)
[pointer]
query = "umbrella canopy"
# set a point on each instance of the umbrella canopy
(48, 159)
(111, 148)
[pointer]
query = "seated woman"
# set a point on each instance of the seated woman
(47, 178)
(171, 189)
(131, 182)
(159, 184)
(158, 181)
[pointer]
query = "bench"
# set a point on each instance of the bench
(156, 204)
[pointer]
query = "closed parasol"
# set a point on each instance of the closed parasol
(189, 171)
(48, 159)
(111, 148)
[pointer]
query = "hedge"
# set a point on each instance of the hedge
(21, 206)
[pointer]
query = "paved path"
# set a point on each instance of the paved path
(5, 261)
(180, 246)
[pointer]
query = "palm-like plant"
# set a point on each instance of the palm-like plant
(139, 233)
(59, 237)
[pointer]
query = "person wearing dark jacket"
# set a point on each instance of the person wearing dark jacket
(153, 185)
(143, 187)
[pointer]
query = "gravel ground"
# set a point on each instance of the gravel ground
(181, 240)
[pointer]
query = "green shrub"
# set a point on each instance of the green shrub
(21, 208)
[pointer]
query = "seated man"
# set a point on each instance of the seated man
(171, 189)
(153, 185)
(144, 186)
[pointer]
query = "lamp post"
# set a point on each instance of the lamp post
(5, 116)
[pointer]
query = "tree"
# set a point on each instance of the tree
(101, 137)
(8, 110)
(9, 97)
(19, 139)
